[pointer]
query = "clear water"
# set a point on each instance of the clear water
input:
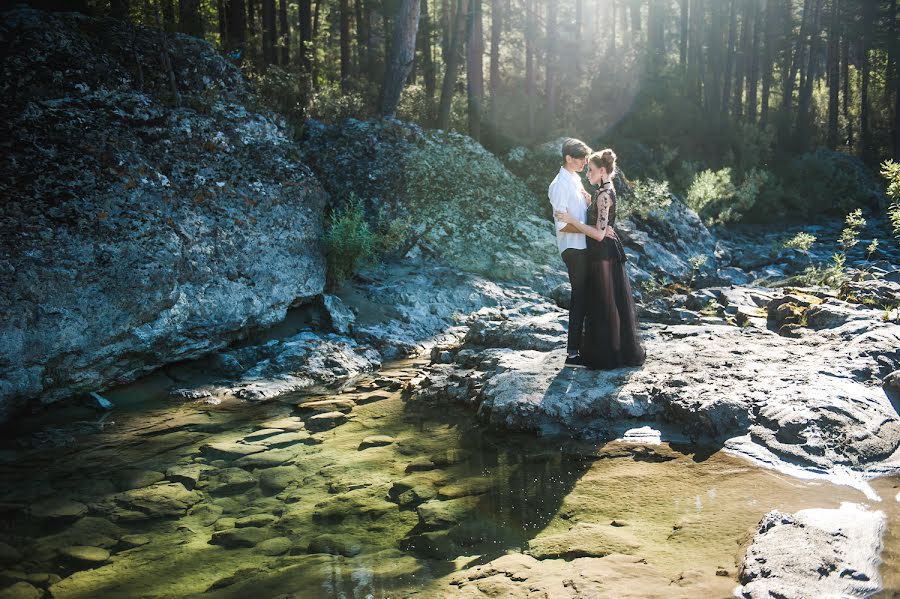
(338, 520)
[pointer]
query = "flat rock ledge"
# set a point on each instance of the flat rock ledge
(820, 399)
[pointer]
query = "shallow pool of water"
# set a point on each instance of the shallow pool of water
(398, 501)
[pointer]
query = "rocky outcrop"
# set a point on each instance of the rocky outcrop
(136, 227)
(814, 398)
(814, 553)
(445, 195)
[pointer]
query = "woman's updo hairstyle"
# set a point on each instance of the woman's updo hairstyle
(606, 159)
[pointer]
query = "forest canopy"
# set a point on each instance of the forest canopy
(778, 92)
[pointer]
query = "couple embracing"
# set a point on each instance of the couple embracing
(603, 328)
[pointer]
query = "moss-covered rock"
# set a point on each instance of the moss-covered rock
(438, 194)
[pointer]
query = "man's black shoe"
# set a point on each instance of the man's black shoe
(574, 362)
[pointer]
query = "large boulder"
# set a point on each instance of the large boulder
(137, 228)
(454, 200)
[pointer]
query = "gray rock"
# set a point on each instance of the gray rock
(233, 538)
(376, 441)
(229, 450)
(276, 479)
(812, 400)
(814, 553)
(325, 421)
(275, 546)
(21, 590)
(341, 316)
(327, 405)
(141, 233)
(60, 509)
(186, 474)
(134, 478)
(230, 481)
(256, 520)
(84, 556)
(443, 513)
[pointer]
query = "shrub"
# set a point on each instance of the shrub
(890, 170)
(709, 186)
(647, 195)
(800, 241)
(850, 235)
(824, 181)
(349, 243)
(715, 197)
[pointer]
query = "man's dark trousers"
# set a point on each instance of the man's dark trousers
(576, 263)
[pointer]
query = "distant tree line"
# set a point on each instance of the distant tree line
(821, 72)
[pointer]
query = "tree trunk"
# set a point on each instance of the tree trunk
(449, 84)
(268, 25)
(251, 17)
(729, 57)
(305, 27)
(635, 10)
(189, 20)
(345, 43)
(753, 71)
(833, 60)
(118, 9)
(768, 58)
(403, 48)
(428, 70)
(168, 14)
(683, 43)
(716, 41)
(611, 26)
(234, 10)
(475, 68)
(530, 76)
(865, 43)
(223, 23)
(579, 13)
(742, 56)
(803, 116)
(797, 56)
(551, 78)
(695, 51)
(362, 55)
(845, 87)
(496, 32)
(284, 33)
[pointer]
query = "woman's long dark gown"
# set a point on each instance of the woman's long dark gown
(611, 337)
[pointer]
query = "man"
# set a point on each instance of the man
(567, 194)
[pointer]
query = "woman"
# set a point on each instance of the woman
(611, 338)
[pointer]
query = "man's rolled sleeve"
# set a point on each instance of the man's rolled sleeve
(560, 203)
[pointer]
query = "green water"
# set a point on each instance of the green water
(435, 496)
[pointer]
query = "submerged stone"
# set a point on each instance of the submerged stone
(84, 555)
(335, 545)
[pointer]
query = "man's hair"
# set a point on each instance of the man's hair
(575, 148)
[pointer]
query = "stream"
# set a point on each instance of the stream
(165, 498)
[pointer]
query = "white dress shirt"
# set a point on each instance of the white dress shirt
(565, 196)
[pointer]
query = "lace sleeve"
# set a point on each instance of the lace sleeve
(603, 203)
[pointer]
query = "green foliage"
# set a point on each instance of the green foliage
(330, 104)
(653, 287)
(890, 170)
(349, 243)
(870, 249)
(697, 261)
(823, 181)
(279, 90)
(850, 235)
(647, 195)
(829, 275)
(801, 241)
(715, 197)
(709, 186)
